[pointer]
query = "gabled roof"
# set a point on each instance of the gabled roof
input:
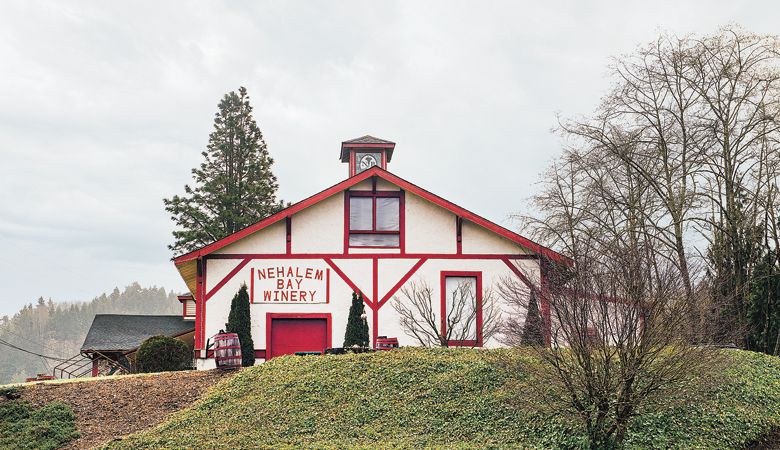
(375, 171)
(366, 142)
(368, 139)
(124, 332)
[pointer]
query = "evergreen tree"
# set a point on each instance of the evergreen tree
(240, 322)
(733, 257)
(234, 186)
(764, 307)
(58, 329)
(533, 329)
(357, 328)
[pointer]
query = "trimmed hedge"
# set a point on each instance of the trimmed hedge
(416, 398)
(163, 354)
(23, 426)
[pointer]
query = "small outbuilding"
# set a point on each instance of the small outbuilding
(113, 339)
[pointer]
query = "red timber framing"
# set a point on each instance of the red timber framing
(200, 256)
(373, 301)
(200, 306)
(227, 277)
(389, 177)
(459, 235)
(288, 226)
(443, 310)
(370, 299)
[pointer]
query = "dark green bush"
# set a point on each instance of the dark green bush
(162, 354)
(10, 392)
(23, 426)
(240, 322)
(357, 328)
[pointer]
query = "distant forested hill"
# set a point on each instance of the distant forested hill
(58, 330)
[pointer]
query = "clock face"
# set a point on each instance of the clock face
(367, 160)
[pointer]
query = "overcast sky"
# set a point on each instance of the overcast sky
(106, 106)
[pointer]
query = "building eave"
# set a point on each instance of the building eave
(186, 262)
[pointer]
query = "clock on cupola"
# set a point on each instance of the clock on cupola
(366, 152)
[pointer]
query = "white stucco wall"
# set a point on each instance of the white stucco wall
(429, 228)
(272, 239)
(478, 240)
(319, 229)
(361, 273)
(493, 271)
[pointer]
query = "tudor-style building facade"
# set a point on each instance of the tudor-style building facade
(372, 233)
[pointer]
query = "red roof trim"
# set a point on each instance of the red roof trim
(270, 220)
(387, 176)
(373, 145)
(479, 220)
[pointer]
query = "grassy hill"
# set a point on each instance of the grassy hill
(415, 398)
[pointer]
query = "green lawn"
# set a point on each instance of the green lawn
(413, 398)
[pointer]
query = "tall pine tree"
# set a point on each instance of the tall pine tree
(357, 328)
(240, 322)
(234, 186)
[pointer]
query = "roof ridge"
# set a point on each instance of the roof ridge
(355, 179)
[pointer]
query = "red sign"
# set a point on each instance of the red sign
(288, 282)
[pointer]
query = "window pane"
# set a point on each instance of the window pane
(361, 213)
(373, 240)
(387, 214)
(461, 304)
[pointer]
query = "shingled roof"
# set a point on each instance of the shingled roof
(123, 332)
(367, 139)
(369, 142)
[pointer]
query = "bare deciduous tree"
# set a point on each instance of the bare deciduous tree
(421, 315)
(666, 201)
(618, 339)
(683, 151)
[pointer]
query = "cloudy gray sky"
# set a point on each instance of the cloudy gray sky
(106, 106)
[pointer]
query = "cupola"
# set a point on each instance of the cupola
(365, 152)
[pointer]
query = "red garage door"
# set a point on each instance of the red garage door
(290, 335)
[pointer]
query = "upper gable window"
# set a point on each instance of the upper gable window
(374, 219)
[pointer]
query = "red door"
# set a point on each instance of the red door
(298, 335)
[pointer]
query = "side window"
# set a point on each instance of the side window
(374, 219)
(461, 308)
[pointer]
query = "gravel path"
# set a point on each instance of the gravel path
(111, 408)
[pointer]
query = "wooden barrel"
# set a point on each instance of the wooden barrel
(227, 351)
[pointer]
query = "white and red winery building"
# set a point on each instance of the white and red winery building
(372, 233)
